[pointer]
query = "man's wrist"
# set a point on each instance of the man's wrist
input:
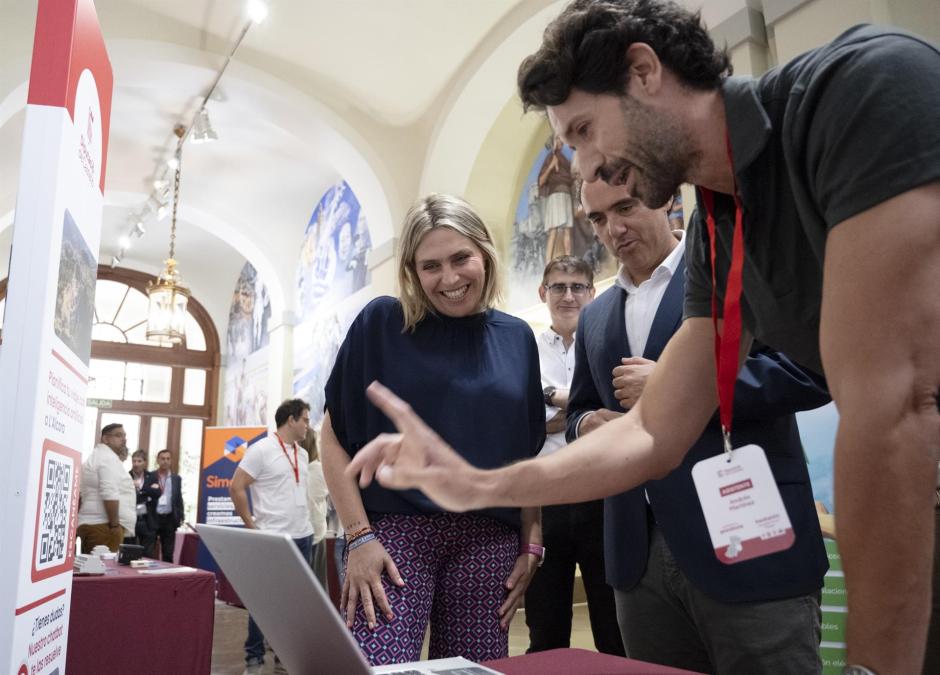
(547, 394)
(114, 525)
(492, 487)
(581, 420)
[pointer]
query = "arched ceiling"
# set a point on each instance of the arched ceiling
(363, 90)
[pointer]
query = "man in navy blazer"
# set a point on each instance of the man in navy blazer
(148, 491)
(677, 604)
(168, 508)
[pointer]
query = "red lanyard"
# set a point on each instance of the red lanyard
(728, 342)
(295, 466)
(162, 480)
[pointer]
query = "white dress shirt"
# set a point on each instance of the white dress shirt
(557, 366)
(642, 301)
(316, 499)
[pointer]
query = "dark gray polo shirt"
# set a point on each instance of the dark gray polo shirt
(831, 134)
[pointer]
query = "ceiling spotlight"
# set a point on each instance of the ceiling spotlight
(160, 184)
(257, 10)
(139, 228)
(202, 128)
(173, 163)
(161, 212)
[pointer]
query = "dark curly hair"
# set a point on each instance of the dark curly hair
(586, 47)
(292, 407)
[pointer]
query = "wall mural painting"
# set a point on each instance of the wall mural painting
(332, 281)
(316, 343)
(549, 222)
(333, 256)
(246, 377)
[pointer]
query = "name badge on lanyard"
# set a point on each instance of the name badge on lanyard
(743, 510)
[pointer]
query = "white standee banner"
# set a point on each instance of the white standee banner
(47, 331)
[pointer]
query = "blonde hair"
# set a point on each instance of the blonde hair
(310, 444)
(431, 212)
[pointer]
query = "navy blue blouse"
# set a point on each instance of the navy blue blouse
(475, 380)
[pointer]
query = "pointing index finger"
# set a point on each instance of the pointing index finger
(394, 408)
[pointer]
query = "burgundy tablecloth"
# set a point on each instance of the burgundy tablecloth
(577, 661)
(190, 551)
(127, 622)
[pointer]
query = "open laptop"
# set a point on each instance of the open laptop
(296, 616)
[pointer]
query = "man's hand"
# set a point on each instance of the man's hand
(629, 379)
(827, 521)
(516, 585)
(363, 583)
(595, 419)
(415, 458)
(556, 424)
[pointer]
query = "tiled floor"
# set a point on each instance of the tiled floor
(231, 626)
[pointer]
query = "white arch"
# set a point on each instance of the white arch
(328, 139)
(472, 108)
(312, 122)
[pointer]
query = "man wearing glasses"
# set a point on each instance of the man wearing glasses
(573, 534)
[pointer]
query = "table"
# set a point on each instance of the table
(580, 661)
(127, 622)
(190, 551)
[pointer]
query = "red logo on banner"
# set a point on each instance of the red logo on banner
(68, 42)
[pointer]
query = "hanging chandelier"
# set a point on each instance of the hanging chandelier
(166, 318)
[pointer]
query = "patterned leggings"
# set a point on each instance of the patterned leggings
(454, 566)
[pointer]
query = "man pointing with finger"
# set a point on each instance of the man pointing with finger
(803, 177)
(677, 605)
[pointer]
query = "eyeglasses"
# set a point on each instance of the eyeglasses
(560, 289)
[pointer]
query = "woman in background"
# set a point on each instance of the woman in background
(316, 505)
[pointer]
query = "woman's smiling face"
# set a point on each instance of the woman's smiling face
(452, 272)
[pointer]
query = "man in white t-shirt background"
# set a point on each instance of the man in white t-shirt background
(274, 471)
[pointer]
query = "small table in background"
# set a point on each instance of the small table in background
(127, 622)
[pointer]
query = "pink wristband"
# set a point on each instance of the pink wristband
(532, 549)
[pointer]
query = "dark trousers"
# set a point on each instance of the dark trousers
(166, 531)
(932, 660)
(665, 619)
(146, 536)
(573, 534)
(254, 644)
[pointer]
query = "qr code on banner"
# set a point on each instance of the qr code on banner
(54, 511)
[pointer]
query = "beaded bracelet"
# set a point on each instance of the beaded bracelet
(360, 541)
(358, 533)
